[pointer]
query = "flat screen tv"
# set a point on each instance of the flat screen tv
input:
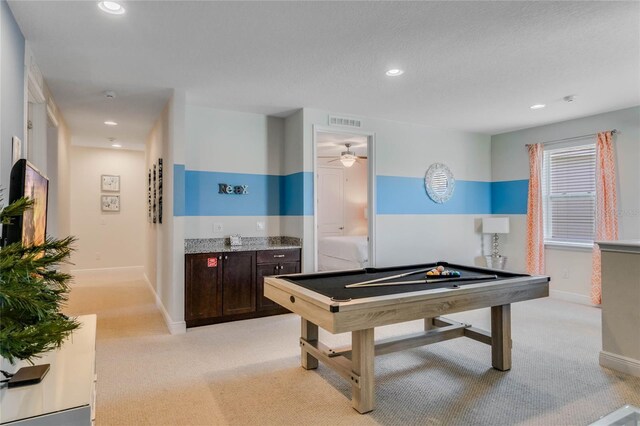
(30, 228)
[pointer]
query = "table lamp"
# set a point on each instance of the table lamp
(495, 226)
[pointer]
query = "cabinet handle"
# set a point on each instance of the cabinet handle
(220, 257)
(226, 257)
(281, 267)
(278, 255)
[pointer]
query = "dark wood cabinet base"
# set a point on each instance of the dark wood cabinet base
(223, 287)
(237, 317)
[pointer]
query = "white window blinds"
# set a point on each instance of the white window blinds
(568, 194)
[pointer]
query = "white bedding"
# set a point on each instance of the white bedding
(347, 252)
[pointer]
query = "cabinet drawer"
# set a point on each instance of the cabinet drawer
(271, 256)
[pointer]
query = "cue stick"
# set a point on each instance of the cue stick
(431, 281)
(392, 277)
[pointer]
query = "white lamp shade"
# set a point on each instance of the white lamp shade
(495, 225)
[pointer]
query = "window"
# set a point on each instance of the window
(569, 195)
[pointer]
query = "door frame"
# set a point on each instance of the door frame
(371, 187)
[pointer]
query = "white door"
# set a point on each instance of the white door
(330, 201)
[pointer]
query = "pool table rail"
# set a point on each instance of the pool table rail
(360, 314)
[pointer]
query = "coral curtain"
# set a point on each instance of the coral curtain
(535, 231)
(606, 207)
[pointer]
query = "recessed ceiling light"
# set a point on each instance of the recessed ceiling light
(110, 123)
(111, 7)
(394, 72)
(537, 106)
(116, 145)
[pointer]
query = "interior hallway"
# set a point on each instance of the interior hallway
(248, 372)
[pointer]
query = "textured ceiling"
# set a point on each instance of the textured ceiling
(333, 144)
(474, 66)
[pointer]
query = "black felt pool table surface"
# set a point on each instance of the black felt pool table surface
(332, 284)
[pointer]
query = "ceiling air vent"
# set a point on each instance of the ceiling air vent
(344, 121)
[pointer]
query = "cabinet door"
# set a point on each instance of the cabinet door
(239, 283)
(203, 291)
(272, 269)
(264, 271)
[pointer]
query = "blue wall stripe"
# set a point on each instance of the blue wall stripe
(407, 195)
(509, 197)
(196, 194)
(178, 189)
(297, 194)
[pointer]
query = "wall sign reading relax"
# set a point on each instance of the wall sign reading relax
(223, 188)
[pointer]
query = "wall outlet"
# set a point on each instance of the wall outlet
(260, 226)
(565, 273)
(218, 227)
(98, 255)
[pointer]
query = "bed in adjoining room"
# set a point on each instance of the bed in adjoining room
(343, 252)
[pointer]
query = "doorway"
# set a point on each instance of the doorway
(343, 205)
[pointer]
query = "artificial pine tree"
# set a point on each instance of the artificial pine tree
(32, 293)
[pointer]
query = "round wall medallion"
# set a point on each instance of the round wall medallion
(439, 182)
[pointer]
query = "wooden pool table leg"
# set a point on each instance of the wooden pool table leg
(309, 331)
(362, 356)
(428, 324)
(501, 337)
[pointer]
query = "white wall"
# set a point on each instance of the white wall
(292, 157)
(153, 151)
(164, 261)
(12, 81)
(570, 270)
(107, 239)
(59, 170)
(404, 149)
(164, 242)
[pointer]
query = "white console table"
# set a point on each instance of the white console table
(621, 306)
(66, 395)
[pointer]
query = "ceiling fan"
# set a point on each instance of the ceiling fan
(347, 158)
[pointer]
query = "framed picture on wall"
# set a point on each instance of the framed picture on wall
(155, 195)
(110, 183)
(110, 203)
(149, 214)
(159, 190)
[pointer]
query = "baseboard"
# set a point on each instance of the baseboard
(571, 297)
(99, 276)
(620, 363)
(174, 327)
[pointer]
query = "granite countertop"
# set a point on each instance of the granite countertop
(210, 245)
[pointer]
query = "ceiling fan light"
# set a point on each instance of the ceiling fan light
(347, 159)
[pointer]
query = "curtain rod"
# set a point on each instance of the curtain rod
(613, 132)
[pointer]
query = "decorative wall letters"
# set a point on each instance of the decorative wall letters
(223, 188)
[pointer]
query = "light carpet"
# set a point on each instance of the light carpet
(248, 372)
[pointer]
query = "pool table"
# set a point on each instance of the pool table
(391, 295)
